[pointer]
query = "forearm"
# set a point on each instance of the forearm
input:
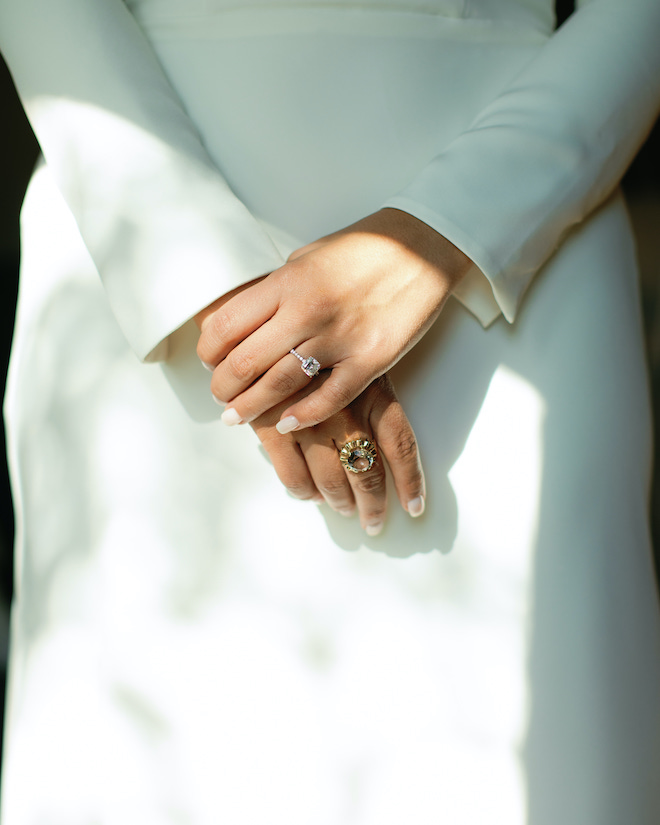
(549, 149)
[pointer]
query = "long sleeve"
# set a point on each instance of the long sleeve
(547, 151)
(165, 231)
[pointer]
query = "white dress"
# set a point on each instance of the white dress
(190, 645)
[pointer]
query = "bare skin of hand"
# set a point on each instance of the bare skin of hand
(307, 462)
(356, 300)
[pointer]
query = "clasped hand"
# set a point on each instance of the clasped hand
(357, 301)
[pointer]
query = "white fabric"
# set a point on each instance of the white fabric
(189, 644)
(584, 103)
(167, 235)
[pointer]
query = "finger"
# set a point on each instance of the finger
(397, 442)
(241, 377)
(344, 384)
(235, 320)
(329, 477)
(369, 488)
(292, 374)
(278, 385)
(201, 317)
(289, 464)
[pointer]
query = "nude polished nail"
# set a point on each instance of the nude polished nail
(416, 507)
(230, 417)
(287, 425)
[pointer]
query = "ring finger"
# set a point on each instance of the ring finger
(343, 489)
(292, 373)
(367, 480)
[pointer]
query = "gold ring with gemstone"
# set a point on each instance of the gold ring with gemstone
(358, 456)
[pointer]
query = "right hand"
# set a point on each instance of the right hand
(307, 462)
(357, 300)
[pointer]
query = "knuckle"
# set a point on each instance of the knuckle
(241, 366)
(333, 488)
(222, 324)
(215, 334)
(372, 515)
(383, 384)
(404, 447)
(370, 482)
(323, 403)
(299, 489)
(339, 395)
(283, 384)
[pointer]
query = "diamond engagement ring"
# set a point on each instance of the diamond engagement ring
(310, 366)
(358, 456)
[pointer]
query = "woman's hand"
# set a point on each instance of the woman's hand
(356, 300)
(307, 462)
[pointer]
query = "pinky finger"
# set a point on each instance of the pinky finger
(334, 395)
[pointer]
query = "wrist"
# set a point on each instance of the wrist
(425, 242)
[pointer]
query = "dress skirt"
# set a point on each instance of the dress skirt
(190, 645)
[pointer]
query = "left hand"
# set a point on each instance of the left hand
(356, 300)
(308, 464)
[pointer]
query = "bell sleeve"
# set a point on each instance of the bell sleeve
(165, 231)
(546, 152)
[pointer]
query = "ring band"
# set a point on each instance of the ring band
(310, 366)
(358, 456)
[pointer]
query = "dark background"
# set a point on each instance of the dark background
(18, 153)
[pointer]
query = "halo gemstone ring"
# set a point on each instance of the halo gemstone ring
(358, 456)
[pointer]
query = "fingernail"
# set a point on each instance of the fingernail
(208, 367)
(416, 507)
(318, 500)
(347, 513)
(230, 417)
(374, 529)
(286, 425)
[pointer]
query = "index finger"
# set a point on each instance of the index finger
(234, 319)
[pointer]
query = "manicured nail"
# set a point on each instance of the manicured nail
(416, 507)
(230, 417)
(374, 529)
(347, 513)
(286, 425)
(208, 367)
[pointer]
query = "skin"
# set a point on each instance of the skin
(357, 300)
(306, 462)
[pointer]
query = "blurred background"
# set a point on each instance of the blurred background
(18, 153)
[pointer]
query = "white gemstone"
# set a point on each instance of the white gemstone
(310, 366)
